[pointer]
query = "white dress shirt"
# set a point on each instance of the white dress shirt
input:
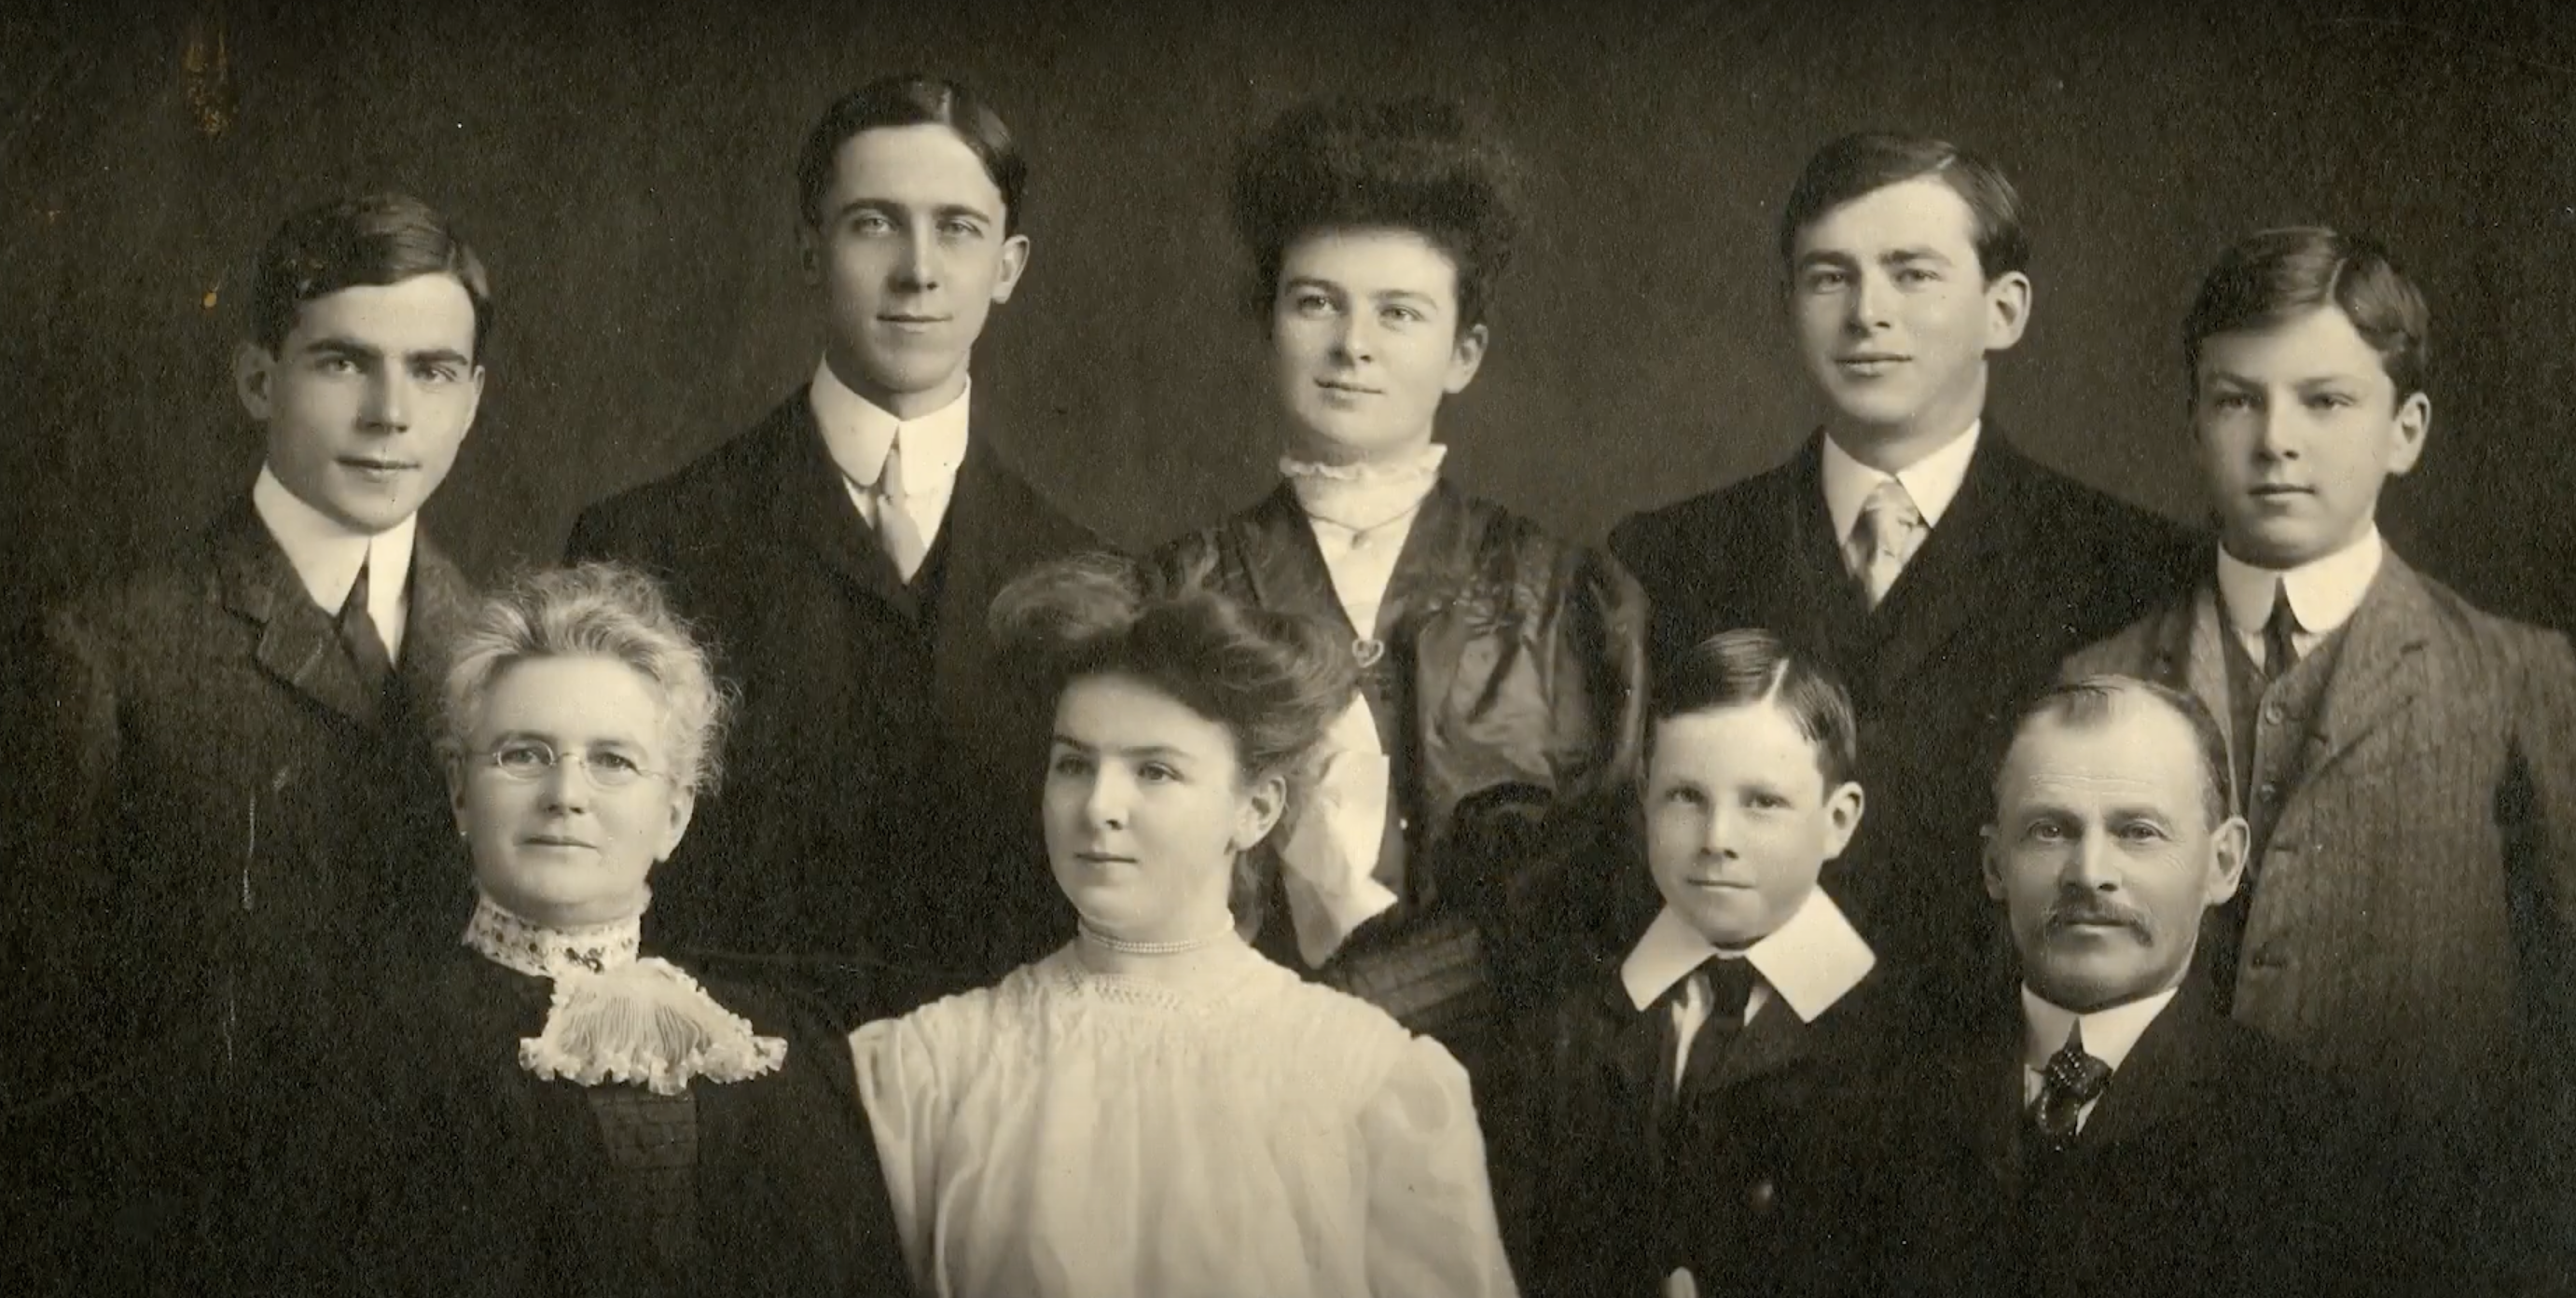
(1811, 961)
(1931, 482)
(2109, 1035)
(327, 553)
(2323, 593)
(858, 433)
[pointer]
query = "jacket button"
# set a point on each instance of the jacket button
(1761, 1196)
(2269, 792)
(2272, 713)
(2269, 956)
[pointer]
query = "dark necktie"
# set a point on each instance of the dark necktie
(2072, 1080)
(358, 636)
(1730, 985)
(2280, 652)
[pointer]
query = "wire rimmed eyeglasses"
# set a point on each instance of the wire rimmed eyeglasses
(529, 760)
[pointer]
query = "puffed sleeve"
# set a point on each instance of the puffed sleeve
(1431, 1226)
(899, 1085)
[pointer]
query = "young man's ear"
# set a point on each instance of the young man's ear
(255, 379)
(2007, 310)
(2414, 422)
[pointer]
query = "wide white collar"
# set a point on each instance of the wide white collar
(1811, 961)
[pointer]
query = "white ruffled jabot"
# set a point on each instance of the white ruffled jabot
(615, 1017)
(1368, 494)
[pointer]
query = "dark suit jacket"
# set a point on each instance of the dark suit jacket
(222, 841)
(2024, 567)
(2214, 1165)
(1748, 1187)
(453, 1171)
(881, 783)
(2413, 921)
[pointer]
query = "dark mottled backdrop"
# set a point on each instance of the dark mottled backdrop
(625, 170)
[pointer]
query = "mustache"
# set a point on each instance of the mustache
(2093, 908)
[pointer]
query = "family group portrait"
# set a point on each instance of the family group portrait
(1643, 649)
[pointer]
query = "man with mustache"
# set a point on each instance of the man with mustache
(2402, 760)
(2109, 1133)
(1908, 546)
(229, 824)
(880, 805)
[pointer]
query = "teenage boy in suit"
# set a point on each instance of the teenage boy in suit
(232, 825)
(881, 793)
(1933, 568)
(2402, 759)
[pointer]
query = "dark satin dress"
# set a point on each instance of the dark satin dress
(458, 1171)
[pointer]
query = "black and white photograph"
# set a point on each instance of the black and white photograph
(1166, 649)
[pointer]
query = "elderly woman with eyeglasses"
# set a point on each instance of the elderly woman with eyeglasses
(549, 1111)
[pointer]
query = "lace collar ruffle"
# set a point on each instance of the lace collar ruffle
(542, 952)
(1368, 494)
(617, 1017)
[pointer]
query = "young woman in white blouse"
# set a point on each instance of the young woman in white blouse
(1158, 1109)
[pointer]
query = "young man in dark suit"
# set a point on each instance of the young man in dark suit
(2407, 763)
(2105, 1132)
(231, 822)
(877, 836)
(1935, 569)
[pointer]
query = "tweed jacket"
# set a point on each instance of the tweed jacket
(2413, 917)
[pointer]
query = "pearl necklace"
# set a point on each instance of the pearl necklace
(1177, 946)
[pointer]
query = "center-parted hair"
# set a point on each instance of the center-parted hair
(373, 240)
(1275, 681)
(2274, 275)
(594, 610)
(1741, 668)
(2098, 700)
(1412, 164)
(1862, 164)
(912, 99)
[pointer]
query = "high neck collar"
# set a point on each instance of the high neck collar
(541, 951)
(1368, 494)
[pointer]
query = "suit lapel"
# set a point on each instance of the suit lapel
(2154, 1084)
(811, 509)
(1950, 582)
(298, 644)
(1816, 597)
(1775, 1039)
(975, 571)
(441, 602)
(2188, 653)
(2380, 668)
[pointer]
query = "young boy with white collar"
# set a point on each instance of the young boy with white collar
(1682, 1099)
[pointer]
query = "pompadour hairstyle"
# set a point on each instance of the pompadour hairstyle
(1414, 164)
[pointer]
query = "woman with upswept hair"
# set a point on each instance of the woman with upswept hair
(1157, 1109)
(1499, 667)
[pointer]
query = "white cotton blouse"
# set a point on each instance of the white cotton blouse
(1065, 1134)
